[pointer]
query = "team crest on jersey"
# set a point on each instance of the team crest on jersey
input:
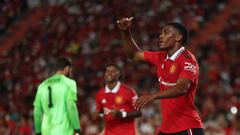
(173, 69)
(118, 99)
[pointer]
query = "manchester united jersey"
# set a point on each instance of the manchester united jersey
(178, 113)
(120, 98)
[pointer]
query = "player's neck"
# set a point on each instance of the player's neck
(61, 73)
(111, 85)
(170, 52)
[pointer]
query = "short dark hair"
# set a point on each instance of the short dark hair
(62, 62)
(181, 29)
(116, 66)
(113, 65)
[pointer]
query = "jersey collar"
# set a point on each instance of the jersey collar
(176, 54)
(114, 90)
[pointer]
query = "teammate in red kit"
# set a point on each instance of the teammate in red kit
(115, 103)
(177, 71)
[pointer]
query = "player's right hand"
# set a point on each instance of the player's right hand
(144, 100)
(124, 23)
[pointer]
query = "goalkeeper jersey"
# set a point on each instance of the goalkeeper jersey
(55, 111)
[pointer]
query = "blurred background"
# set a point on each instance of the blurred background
(33, 33)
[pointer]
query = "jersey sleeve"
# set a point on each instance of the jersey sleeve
(37, 113)
(37, 101)
(71, 105)
(99, 106)
(189, 69)
(133, 97)
(72, 93)
(153, 58)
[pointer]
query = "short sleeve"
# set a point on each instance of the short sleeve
(153, 58)
(189, 69)
(98, 103)
(133, 97)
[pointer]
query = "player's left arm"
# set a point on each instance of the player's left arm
(131, 114)
(37, 114)
(187, 76)
(124, 114)
(134, 114)
(72, 108)
(37, 119)
(183, 84)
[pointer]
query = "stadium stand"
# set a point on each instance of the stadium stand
(10, 11)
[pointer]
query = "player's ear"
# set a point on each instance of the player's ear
(178, 37)
(67, 69)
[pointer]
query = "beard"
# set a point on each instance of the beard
(164, 47)
(111, 81)
(69, 75)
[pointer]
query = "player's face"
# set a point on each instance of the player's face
(112, 74)
(167, 37)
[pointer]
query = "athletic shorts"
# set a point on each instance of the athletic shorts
(191, 131)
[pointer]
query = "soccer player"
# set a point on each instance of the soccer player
(115, 103)
(177, 72)
(55, 111)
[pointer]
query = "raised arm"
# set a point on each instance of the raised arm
(130, 46)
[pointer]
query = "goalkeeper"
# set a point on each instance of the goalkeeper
(55, 111)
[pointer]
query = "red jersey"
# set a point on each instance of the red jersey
(120, 98)
(178, 113)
